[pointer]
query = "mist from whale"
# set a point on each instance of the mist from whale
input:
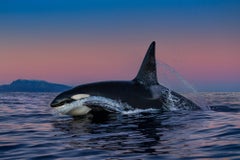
(142, 94)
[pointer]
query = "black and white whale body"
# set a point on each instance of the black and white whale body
(142, 92)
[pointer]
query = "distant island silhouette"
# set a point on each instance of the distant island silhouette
(23, 85)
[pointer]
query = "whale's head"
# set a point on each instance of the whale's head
(64, 98)
(71, 103)
(96, 98)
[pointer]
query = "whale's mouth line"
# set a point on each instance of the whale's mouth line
(74, 108)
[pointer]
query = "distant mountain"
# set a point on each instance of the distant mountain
(22, 85)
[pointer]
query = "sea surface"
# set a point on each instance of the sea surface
(29, 129)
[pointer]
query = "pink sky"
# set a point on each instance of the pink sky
(74, 62)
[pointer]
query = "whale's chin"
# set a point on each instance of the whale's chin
(79, 111)
(73, 111)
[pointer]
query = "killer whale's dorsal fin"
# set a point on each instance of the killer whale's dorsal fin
(147, 74)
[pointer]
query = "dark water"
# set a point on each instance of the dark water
(29, 130)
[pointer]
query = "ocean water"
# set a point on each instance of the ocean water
(30, 130)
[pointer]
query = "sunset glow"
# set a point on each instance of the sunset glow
(78, 42)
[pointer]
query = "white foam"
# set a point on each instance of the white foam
(170, 78)
(137, 111)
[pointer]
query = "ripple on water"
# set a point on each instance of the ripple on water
(28, 130)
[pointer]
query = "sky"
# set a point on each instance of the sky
(74, 42)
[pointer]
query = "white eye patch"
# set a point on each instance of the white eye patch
(80, 96)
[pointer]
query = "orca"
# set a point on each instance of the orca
(143, 92)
